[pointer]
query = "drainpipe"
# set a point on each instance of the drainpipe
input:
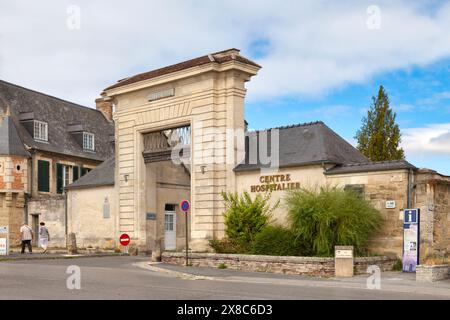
(410, 188)
(27, 197)
(65, 212)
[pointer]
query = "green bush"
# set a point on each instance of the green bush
(277, 241)
(224, 246)
(222, 266)
(246, 217)
(398, 265)
(324, 217)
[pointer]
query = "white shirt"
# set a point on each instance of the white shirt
(27, 233)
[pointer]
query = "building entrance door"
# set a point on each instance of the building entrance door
(170, 232)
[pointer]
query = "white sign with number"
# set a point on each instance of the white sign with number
(390, 204)
(3, 247)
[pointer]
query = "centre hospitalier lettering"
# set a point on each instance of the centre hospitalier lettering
(278, 182)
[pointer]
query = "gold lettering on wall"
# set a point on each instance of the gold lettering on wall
(278, 182)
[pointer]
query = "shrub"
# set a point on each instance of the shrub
(398, 265)
(324, 217)
(224, 246)
(246, 217)
(222, 266)
(277, 241)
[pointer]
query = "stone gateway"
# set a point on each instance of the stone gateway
(180, 134)
(177, 133)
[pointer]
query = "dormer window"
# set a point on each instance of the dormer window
(88, 141)
(40, 131)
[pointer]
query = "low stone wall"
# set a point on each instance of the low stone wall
(314, 266)
(432, 273)
(383, 262)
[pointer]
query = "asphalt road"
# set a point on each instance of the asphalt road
(118, 278)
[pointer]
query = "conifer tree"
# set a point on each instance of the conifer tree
(379, 137)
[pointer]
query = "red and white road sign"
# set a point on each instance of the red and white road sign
(124, 240)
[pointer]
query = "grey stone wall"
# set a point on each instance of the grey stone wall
(315, 266)
(432, 273)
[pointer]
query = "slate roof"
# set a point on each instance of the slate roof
(218, 57)
(60, 115)
(10, 142)
(304, 144)
(103, 175)
(371, 166)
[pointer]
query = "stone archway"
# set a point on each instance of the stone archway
(206, 93)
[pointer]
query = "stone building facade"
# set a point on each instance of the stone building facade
(180, 134)
(203, 99)
(45, 144)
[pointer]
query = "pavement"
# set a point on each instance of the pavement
(15, 255)
(398, 282)
(133, 277)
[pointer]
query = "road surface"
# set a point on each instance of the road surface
(119, 278)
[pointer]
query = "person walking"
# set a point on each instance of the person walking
(44, 237)
(26, 235)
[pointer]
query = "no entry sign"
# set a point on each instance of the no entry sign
(124, 240)
(185, 205)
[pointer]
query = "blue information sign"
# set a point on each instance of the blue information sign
(411, 239)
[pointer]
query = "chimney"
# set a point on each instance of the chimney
(106, 107)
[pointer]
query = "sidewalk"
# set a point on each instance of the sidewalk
(390, 281)
(15, 255)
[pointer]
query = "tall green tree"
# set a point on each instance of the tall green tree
(379, 137)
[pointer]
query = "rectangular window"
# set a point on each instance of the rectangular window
(43, 176)
(88, 141)
(168, 222)
(40, 130)
(357, 189)
(62, 177)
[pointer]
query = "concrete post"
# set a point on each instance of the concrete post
(72, 244)
(343, 261)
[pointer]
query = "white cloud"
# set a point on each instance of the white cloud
(310, 46)
(432, 139)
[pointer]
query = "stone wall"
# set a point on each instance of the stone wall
(92, 214)
(314, 266)
(12, 213)
(52, 211)
(380, 187)
(432, 273)
(432, 196)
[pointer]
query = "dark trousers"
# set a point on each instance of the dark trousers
(28, 244)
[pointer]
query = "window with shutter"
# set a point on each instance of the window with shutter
(62, 177)
(59, 178)
(43, 176)
(76, 173)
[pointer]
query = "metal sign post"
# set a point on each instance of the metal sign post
(185, 205)
(411, 239)
(4, 242)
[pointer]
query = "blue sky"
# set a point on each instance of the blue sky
(322, 60)
(419, 95)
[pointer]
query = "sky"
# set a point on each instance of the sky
(322, 60)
